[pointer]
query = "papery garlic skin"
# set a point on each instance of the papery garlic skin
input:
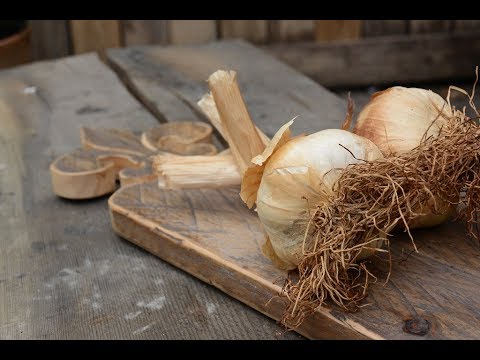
(300, 175)
(396, 120)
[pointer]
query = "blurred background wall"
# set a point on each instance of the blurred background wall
(333, 52)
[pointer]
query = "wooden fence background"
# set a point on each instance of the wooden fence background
(334, 52)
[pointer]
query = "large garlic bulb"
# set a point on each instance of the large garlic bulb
(396, 120)
(300, 174)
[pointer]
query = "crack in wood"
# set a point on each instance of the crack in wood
(130, 86)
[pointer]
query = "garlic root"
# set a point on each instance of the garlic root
(396, 120)
(380, 195)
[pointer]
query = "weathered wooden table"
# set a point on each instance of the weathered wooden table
(64, 274)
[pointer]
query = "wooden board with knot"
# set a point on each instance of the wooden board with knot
(65, 274)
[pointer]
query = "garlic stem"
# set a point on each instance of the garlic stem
(176, 171)
(239, 129)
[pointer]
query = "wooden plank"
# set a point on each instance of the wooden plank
(385, 60)
(64, 274)
(273, 92)
(211, 234)
(184, 32)
(94, 35)
(225, 250)
(384, 27)
(198, 234)
(145, 32)
(255, 31)
(332, 30)
(291, 30)
(429, 26)
(50, 39)
(466, 25)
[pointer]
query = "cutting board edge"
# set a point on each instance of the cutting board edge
(246, 286)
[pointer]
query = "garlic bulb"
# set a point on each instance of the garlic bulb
(324, 209)
(396, 120)
(297, 176)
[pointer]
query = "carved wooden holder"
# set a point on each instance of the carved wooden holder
(108, 155)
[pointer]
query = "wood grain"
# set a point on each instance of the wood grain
(386, 59)
(122, 141)
(273, 92)
(94, 35)
(64, 274)
(214, 218)
(255, 31)
(184, 32)
(333, 30)
(92, 170)
(78, 175)
(50, 39)
(145, 32)
(182, 138)
(108, 155)
(429, 26)
(196, 224)
(466, 25)
(211, 234)
(384, 27)
(291, 30)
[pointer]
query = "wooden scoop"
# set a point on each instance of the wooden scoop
(181, 138)
(108, 155)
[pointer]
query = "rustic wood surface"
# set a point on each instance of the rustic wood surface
(291, 30)
(145, 32)
(64, 274)
(95, 35)
(430, 26)
(465, 25)
(405, 59)
(422, 295)
(384, 27)
(333, 30)
(209, 233)
(255, 31)
(184, 32)
(50, 39)
(170, 81)
(55, 38)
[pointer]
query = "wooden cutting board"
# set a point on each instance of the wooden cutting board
(211, 234)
